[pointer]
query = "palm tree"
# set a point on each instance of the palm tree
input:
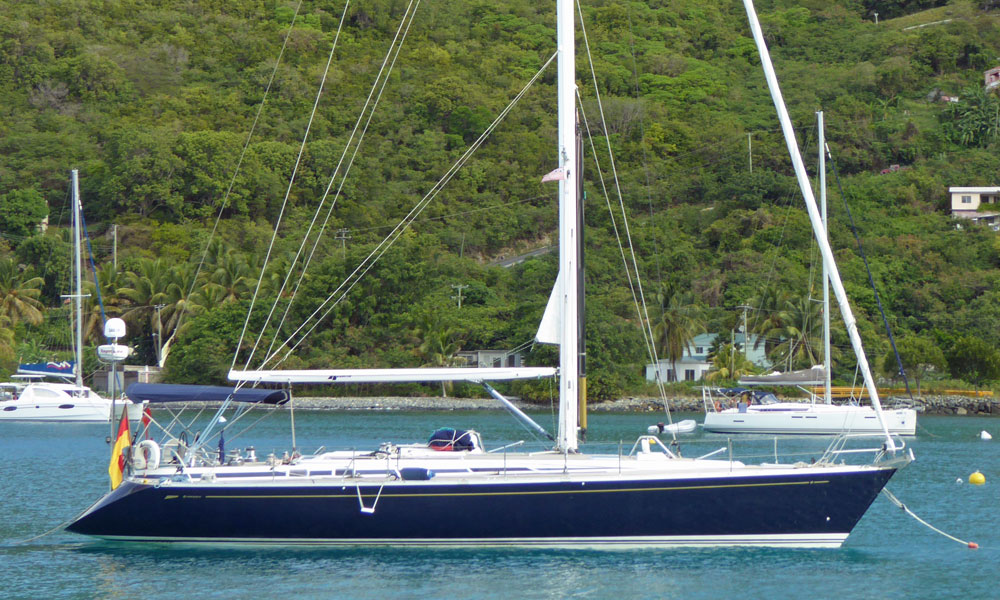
(206, 297)
(19, 293)
(6, 341)
(976, 120)
(276, 274)
(676, 321)
(802, 345)
(179, 299)
(233, 275)
(109, 280)
(439, 344)
(771, 317)
(145, 292)
(729, 363)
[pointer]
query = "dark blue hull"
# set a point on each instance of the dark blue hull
(809, 508)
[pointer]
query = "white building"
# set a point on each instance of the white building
(991, 78)
(695, 362)
(966, 203)
(490, 358)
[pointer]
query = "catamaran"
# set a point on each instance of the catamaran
(63, 397)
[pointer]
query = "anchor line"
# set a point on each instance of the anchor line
(892, 498)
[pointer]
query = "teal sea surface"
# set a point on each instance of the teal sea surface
(49, 473)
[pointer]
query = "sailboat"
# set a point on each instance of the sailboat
(454, 492)
(747, 410)
(743, 410)
(34, 399)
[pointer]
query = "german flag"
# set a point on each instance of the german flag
(117, 466)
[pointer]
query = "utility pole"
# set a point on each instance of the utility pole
(746, 333)
(114, 246)
(459, 287)
(343, 234)
(732, 352)
(159, 334)
(750, 151)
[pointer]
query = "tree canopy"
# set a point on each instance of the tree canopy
(188, 120)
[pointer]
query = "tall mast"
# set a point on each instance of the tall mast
(814, 218)
(77, 280)
(581, 289)
(826, 277)
(569, 340)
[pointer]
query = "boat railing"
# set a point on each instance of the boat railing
(778, 449)
(838, 446)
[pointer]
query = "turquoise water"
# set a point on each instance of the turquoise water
(51, 472)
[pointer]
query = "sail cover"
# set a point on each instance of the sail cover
(813, 376)
(48, 369)
(156, 393)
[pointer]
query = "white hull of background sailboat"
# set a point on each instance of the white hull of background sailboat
(743, 410)
(810, 419)
(453, 492)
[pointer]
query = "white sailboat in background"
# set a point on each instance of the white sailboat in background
(453, 492)
(741, 410)
(31, 398)
(746, 410)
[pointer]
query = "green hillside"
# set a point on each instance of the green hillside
(178, 113)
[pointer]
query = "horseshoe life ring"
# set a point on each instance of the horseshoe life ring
(147, 455)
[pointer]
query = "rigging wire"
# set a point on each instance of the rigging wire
(225, 404)
(394, 49)
(288, 192)
(871, 279)
(642, 133)
(338, 295)
(239, 162)
(638, 297)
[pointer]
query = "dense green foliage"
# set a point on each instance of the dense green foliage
(157, 104)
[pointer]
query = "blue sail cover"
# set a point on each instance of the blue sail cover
(156, 393)
(49, 369)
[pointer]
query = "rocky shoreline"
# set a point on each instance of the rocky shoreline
(931, 405)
